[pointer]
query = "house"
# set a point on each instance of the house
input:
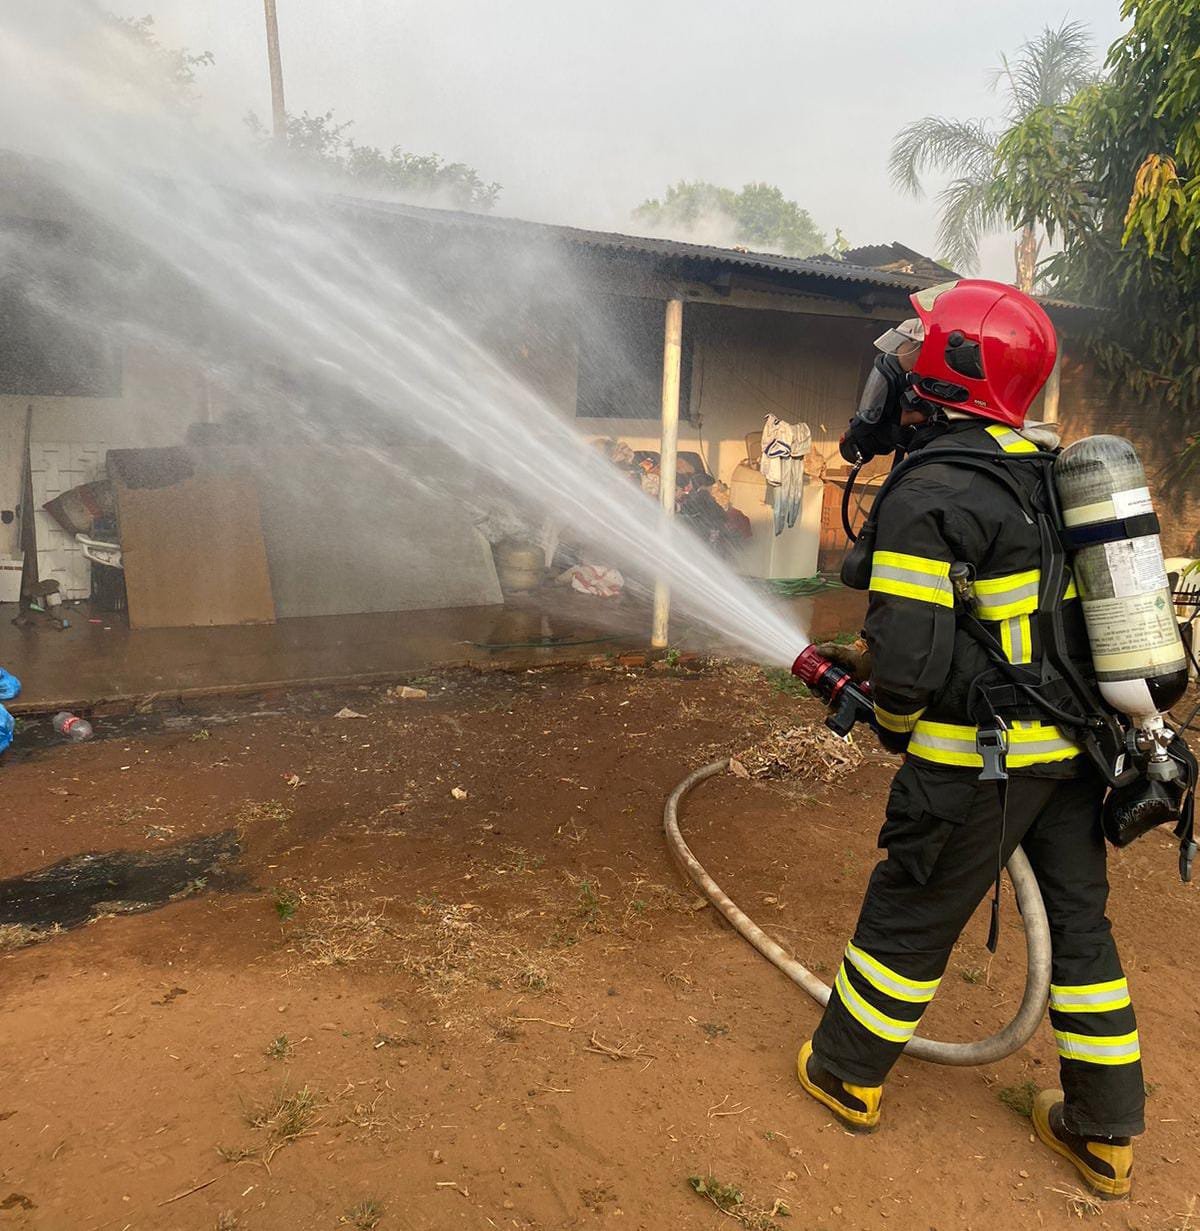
(577, 315)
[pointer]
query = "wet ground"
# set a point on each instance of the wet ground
(460, 983)
(99, 661)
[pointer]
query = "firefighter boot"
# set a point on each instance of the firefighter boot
(857, 1107)
(1106, 1163)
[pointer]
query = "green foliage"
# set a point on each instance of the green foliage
(1045, 72)
(1115, 175)
(782, 680)
(1019, 1098)
(286, 903)
(176, 66)
(318, 142)
(759, 216)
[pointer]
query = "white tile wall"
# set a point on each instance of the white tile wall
(56, 468)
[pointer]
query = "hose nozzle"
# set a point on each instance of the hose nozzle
(848, 701)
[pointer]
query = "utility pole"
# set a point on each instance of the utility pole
(278, 113)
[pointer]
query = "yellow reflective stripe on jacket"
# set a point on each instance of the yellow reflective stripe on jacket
(1029, 743)
(917, 577)
(891, 1029)
(890, 982)
(1010, 441)
(1090, 997)
(1070, 592)
(1001, 598)
(1016, 639)
(1099, 1048)
(900, 724)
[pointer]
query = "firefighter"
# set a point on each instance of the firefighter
(987, 351)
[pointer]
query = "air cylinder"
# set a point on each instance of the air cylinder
(1117, 560)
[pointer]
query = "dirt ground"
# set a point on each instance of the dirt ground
(415, 1010)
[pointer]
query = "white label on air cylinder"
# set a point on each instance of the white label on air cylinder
(1132, 503)
(1137, 633)
(1136, 566)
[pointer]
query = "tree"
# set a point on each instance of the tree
(318, 142)
(174, 68)
(759, 216)
(1046, 72)
(1115, 175)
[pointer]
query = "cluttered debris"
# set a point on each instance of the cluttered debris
(812, 752)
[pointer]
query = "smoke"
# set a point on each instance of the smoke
(318, 320)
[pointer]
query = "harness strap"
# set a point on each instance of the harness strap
(1110, 531)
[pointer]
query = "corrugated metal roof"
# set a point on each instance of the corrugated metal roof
(819, 267)
(826, 268)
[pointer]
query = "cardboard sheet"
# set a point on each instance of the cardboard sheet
(192, 540)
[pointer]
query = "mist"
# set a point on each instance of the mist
(583, 111)
(309, 326)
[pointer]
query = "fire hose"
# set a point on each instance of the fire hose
(986, 1051)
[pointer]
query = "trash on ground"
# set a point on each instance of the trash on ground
(71, 726)
(347, 712)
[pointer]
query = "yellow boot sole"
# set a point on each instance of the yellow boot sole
(1104, 1186)
(856, 1121)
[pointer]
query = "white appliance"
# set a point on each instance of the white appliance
(793, 553)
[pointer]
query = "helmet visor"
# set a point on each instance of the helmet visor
(904, 337)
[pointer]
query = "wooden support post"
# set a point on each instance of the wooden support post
(278, 113)
(668, 452)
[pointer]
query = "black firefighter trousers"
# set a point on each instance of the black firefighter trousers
(943, 838)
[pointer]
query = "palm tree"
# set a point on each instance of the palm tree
(1047, 71)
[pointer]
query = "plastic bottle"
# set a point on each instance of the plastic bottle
(72, 727)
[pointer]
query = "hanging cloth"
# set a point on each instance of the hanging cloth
(784, 448)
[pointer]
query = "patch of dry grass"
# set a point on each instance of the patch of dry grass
(335, 927)
(455, 946)
(261, 812)
(811, 752)
(364, 1216)
(286, 1118)
(17, 936)
(1079, 1202)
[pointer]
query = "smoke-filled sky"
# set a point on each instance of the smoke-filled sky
(582, 110)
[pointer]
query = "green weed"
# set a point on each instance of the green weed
(364, 1216)
(286, 903)
(1019, 1098)
(783, 681)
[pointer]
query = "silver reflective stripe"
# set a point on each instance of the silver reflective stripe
(889, 1028)
(1090, 998)
(1103, 1049)
(1001, 598)
(945, 742)
(893, 572)
(915, 991)
(1020, 652)
(1035, 746)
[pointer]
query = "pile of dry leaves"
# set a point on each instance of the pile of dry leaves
(812, 752)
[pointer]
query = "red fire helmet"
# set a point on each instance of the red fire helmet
(988, 348)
